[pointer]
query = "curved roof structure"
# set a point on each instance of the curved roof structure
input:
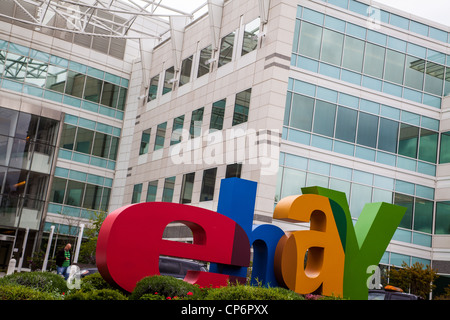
(99, 18)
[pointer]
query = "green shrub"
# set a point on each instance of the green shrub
(102, 294)
(94, 282)
(18, 292)
(165, 286)
(152, 296)
(246, 292)
(42, 281)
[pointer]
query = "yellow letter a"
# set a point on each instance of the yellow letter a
(324, 270)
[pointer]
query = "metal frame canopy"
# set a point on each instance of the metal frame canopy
(100, 18)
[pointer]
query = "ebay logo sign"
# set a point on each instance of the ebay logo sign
(331, 258)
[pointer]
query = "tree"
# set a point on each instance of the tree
(88, 247)
(415, 279)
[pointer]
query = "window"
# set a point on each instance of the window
(196, 123)
(388, 135)
(233, 170)
(56, 78)
(75, 84)
(101, 146)
(226, 49)
(168, 80)
(93, 89)
(310, 39)
(177, 130)
(208, 184)
(374, 60)
(414, 72)
(444, 155)
(217, 115)
(58, 190)
(442, 224)
(395, 65)
(241, 107)
(409, 136)
(136, 196)
(333, 43)
(302, 112)
(408, 203)
(169, 184)
(110, 94)
(151, 191)
(185, 75)
(434, 78)
(153, 89)
(74, 193)
(423, 215)
(187, 187)
(353, 54)
(250, 41)
(367, 130)
(203, 65)
(346, 124)
(84, 140)
(68, 134)
(160, 136)
(428, 145)
(145, 141)
(324, 116)
(92, 197)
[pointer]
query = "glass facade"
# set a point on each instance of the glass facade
(360, 188)
(89, 142)
(77, 194)
(369, 58)
(358, 127)
(27, 155)
(43, 75)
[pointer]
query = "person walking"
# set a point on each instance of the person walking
(63, 261)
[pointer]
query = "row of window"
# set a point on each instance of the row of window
(393, 19)
(43, 75)
(350, 125)
(240, 115)
(187, 186)
(205, 60)
(24, 136)
(361, 188)
(371, 59)
(80, 194)
(89, 142)
(362, 128)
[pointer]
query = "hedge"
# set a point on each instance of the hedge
(165, 287)
(42, 281)
(19, 292)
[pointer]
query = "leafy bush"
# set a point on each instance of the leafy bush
(165, 286)
(102, 294)
(42, 281)
(246, 292)
(94, 282)
(18, 292)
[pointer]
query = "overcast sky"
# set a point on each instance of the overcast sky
(436, 10)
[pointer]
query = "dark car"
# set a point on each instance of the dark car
(167, 267)
(391, 293)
